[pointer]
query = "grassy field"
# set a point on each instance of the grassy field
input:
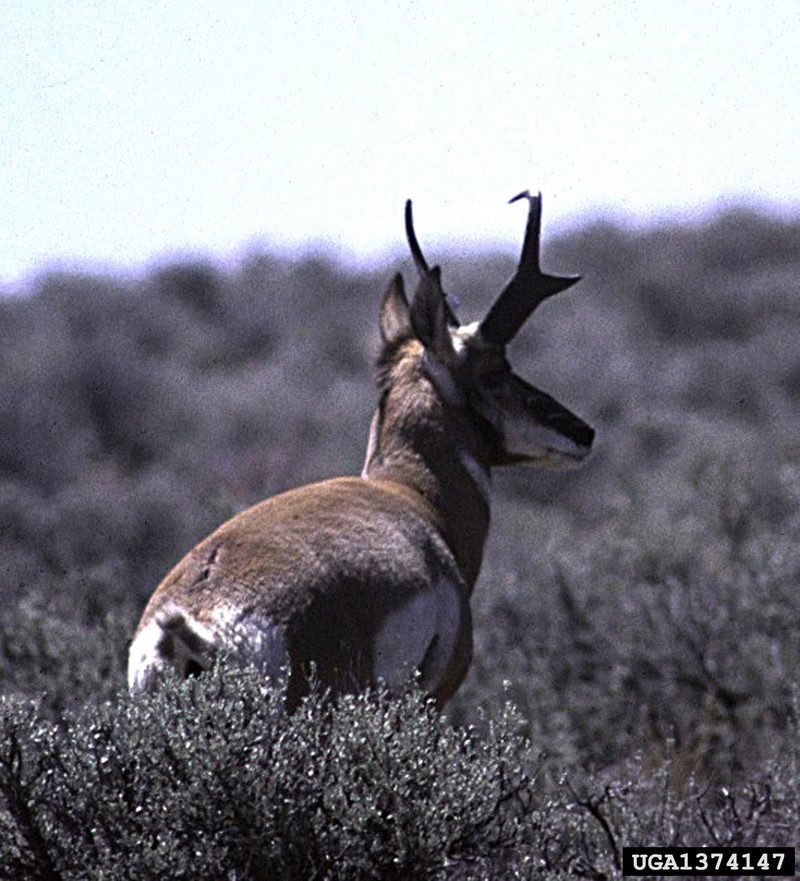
(635, 679)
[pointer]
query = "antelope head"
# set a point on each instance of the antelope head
(502, 418)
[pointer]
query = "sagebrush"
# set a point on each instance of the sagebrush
(641, 614)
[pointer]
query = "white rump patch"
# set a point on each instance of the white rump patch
(172, 638)
(425, 628)
(145, 662)
(253, 639)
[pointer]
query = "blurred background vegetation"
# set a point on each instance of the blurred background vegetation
(642, 613)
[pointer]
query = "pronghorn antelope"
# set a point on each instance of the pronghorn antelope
(368, 579)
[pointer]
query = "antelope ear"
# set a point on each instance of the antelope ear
(430, 316)
(395, 316)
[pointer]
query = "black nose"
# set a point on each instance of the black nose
(582, 433)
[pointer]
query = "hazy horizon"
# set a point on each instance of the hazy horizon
(136, 133)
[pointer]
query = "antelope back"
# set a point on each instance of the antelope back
(350, 576)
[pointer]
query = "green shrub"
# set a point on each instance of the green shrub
(63, 650)
(210, 779)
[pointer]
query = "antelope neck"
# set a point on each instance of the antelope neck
(453, 484)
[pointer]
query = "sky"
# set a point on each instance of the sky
(133, 132)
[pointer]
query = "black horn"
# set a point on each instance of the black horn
(529, 285)
(413, 244)
(430, 279)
